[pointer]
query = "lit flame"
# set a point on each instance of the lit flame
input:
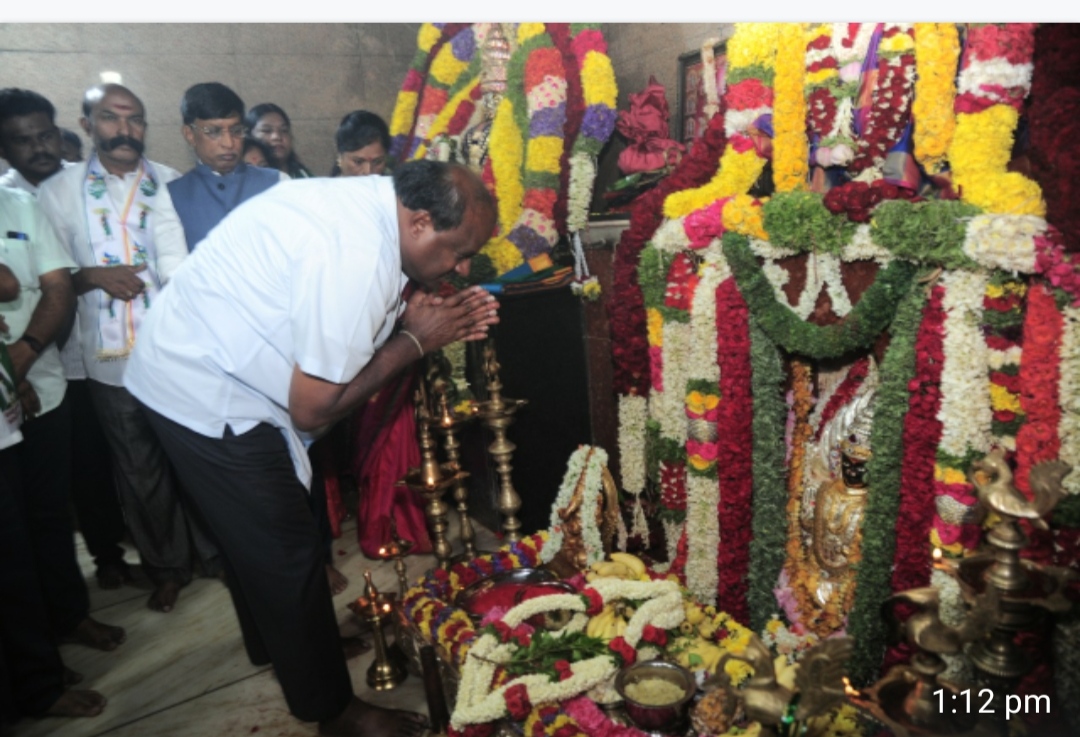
(848, 690)
(937, 555)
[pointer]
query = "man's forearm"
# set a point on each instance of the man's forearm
(315, 403)
(52, 316)
(82, 281)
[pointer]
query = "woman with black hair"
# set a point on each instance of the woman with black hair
(270, 124)
(363, 145)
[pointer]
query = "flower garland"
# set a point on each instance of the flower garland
(863, 324)
(800, 221)
(1004, 242)
(1069, 396)
(584, 469)
(1061, 268)
(600, 94)
(1003, 315)
(921, 434)
(1040, 375)
(507, 153)
(890, 107)
(995, 77)
(430, 40)
(457, 112)
(884, 474)
(660, 607)
(633, 413)
(834, 68)
(821, 621)
(748, 97)
(937, 51)
(767, 533)
(965, 411)
(449, 62)
(703, 396)
(791, 150)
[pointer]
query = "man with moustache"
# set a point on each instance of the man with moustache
(214, 128)
(110, 214)
(32, 144)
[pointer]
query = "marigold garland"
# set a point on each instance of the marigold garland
(937, 53)
(791, 149)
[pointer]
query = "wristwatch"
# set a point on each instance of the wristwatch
(34, 343)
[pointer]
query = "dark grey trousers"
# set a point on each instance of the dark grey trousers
(149, 494)
(247, 489)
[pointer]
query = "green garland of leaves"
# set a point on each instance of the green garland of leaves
(874, 571)
(867, 320)
(799, 221)
(931, 232)
(769, 520)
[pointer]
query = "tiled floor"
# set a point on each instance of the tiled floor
(185, 674)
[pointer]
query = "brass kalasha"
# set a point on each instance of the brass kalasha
(431, 480)
(497, 412)
(387, 671)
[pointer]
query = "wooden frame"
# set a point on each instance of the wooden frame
(690, 119)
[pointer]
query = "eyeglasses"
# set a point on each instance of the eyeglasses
(214, 132)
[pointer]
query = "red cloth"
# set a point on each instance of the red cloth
(645, 124)
(384, 439)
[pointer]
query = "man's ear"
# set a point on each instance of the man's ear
(188, 134)
(84, 123)
(419, 221)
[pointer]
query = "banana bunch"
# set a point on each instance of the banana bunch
(608, 624)
(696, 653)
(622, 565)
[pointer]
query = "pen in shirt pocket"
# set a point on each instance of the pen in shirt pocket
(15, 235)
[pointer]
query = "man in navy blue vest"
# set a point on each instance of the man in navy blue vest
(213, 126)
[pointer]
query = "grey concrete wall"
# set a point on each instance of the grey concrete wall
(316, 72)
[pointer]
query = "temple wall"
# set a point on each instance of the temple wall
(316, 72)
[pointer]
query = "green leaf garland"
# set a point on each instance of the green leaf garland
(867, 320)
(799, 221)
(768, 546)
(931, 232)
(874, 571)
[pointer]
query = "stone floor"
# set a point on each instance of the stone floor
(185, 674)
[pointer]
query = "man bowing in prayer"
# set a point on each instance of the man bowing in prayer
(284, 319)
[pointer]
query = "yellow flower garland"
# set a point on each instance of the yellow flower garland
(598, 80)
(528, 30)
(543, 154)
(445, 67)
(741, 216)
(507, 152)
(737, 173)
(754, 44)
(937, 53)
(980, 151)
(429, 35)
(791, 149)
(445, 116)
(404, 110)
(654, 323)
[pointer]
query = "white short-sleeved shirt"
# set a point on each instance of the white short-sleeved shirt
(10, 419)
(307, 273)
(61, 196)
(30, 247)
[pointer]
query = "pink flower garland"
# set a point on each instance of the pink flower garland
(734, 460)
(594, 722)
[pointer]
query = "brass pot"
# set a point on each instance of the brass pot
(668, 718)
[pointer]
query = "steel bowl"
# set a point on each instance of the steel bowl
(669, 718)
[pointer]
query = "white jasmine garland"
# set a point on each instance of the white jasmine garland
(703, 494)
(668, 407)
(965, 411)
(1069, 393)
(579, 190)
(1005, 242)
(769, 252)
(952, 614)
(671, 237)
(672, 533)
(981, 76)
(738, 121)
(478, 703)
(863, 248)
(633, 413)
(588, 462)
(997, 359)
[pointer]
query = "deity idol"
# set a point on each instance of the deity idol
(495, 56)
(831, 514)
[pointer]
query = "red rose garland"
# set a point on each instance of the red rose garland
(922, 432)
(844, 393)
(1040, 374)
(734, 459)
(630, 348)
(858, 199)
(575, 111)
(890, 108)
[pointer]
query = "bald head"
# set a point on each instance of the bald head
(97, 93)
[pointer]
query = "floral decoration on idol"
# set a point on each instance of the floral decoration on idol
(890, 103)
